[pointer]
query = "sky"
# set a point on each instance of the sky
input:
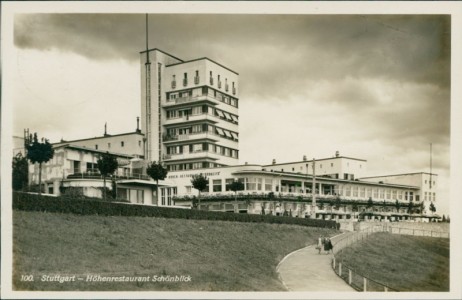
(375, 87)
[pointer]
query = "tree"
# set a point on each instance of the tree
(370, 203)
(397, 205)
(236, 186)
(337, 202)
(199, 182)
(20, 172)
(39, 152)
(354, 207)
(410, 207)
(157, 172)
(444, 218)
(432, 208)
(107, 165)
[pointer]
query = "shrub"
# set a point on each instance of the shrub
(89, 206)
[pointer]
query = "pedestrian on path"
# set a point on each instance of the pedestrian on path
(328, 246)
(320, 245)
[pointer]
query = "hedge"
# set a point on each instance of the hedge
(31, 202)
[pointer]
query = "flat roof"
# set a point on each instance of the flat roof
(319, 178)
(157, 49)
(308, 161)
(93, 150)
(202, 58)
(99, 137)
(403, 174)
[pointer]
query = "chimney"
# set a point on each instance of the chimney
(137, 124)
(274, 161)
(105, 129)
(337, 153)
(304, 157)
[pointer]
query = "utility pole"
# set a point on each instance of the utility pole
(430, 166)
(148, 98)
(313, 192)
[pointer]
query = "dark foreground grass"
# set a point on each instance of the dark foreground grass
(217, 255)
(405, 263)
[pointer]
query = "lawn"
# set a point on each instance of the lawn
(217, 255)
(405, 263)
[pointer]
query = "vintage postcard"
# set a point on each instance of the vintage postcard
(231, 150)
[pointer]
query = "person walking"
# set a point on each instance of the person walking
(326, 245)
(320, 245)
(329, 246)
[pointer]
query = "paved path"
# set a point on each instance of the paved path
(306, 270)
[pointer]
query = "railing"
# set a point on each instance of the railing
(196, 80)
(182, 137)
(92, 175)
(185, 82)
(357, 280)
(173, 84)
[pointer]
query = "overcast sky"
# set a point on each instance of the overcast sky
(372, 87)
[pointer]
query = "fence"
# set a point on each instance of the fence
(359, 281)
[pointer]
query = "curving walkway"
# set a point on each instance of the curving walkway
(306, 270)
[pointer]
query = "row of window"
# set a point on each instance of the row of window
(185, 81)
(430, 196)
(173, 133)
(193, 166)
(166, 195)
(201, 147)
(199, 110)
(122, 144)
(431, 183)
(203, 91)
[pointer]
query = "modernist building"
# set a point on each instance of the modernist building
(189, 112)
(189, 122)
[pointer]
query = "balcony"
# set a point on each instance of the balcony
(191, 136)
(211, 81)
(185, 81)
(219, 84)
(173, 84)
(226, 87)
(192, 118)
(188, 100)
(191, 155)
(196, 80)
(234, 91)
(117, 176)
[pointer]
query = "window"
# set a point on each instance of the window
(109, 145)
(173, 82)
(139, 143)
(331, 165)
(259, 184)
(188, 189)
(268, 184)
(122, 144)
(217, 185)
(185, 79)
(228, 182)
(96, 147)
(196, 78)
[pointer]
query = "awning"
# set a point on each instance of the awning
(228, 116)
(220, 131)
(220, 113)
(234, 135)
(228, 134)
(234, 118)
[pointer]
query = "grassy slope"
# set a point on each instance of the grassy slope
(406, 263)
(218, 255)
